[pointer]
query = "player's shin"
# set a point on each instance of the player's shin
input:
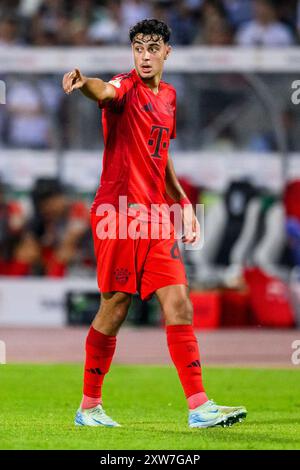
(184, 351)
(100, 349)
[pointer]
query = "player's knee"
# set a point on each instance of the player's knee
(121, 300)
(179, 310)
(118, 306)
(119, 314)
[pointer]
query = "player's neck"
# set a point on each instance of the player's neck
(153, 83)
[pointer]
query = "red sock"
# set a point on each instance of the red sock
(99, 349)
(184, 351)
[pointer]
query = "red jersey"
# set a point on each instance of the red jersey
(137, 128)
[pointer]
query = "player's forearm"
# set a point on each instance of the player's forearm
(94, 88)
(173, 187)
(175, 190)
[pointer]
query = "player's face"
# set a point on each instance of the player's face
(149, 55)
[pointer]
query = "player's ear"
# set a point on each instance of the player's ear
(168, 51)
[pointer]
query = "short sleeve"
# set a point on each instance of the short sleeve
(173, 133)
(122, 84)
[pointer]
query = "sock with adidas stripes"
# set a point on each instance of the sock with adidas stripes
(184, 351)
(99, 349)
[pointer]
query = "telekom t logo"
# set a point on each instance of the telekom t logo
(157, 140)
(2, 92)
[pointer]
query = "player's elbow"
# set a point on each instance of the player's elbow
(108, 92)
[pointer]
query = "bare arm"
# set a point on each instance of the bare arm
(173, 186)
(175, 191)
(93, 88)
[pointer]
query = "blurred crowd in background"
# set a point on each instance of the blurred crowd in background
(50, 236)
(106, 22)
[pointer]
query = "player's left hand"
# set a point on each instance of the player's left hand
(191, 227)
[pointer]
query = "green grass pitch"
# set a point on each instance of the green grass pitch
(38, 403)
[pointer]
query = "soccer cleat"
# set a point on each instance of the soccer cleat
(209, 414)
(94, 417)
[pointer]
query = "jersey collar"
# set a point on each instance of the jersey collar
(138, 79)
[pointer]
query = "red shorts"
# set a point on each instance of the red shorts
(140, 265)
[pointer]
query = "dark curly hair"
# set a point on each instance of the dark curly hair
(151, 27)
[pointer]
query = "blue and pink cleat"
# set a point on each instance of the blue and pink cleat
(94, 417)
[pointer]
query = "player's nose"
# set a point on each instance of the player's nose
(146, 55)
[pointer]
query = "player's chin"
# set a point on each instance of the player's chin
(148, 75)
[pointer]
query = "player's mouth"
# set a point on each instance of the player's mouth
(146, 68)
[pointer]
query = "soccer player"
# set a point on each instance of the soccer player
(139, 118)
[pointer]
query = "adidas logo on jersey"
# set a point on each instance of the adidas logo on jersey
(148, 107)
